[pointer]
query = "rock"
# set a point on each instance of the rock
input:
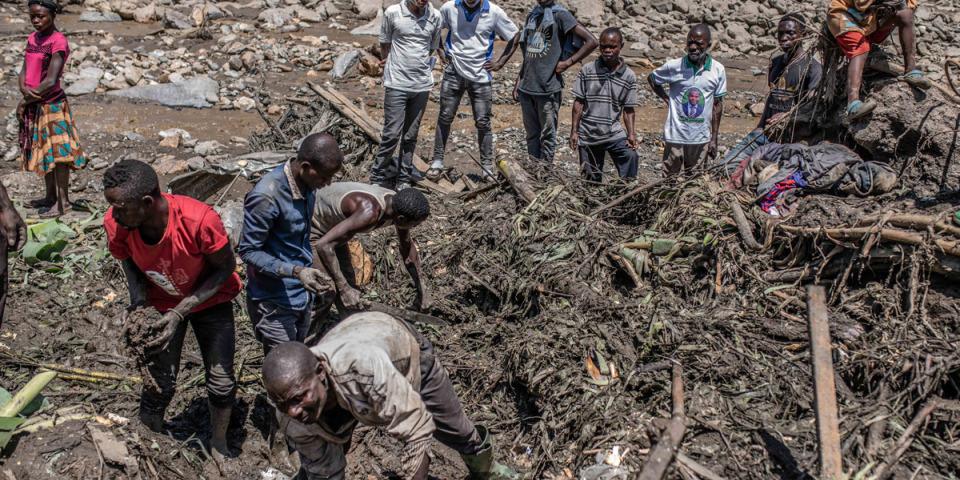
(308, 15)
(82, 86)
(662, 6)
(178, 20)
(276, 17)
(172, 141)
(196, 163)
(244, 103)
(12, 154)
(370, 65)
(170, 166)
(100, 17)
(146, 13)
(372, 28)
(367, 9)
(344, 62)
(756, 109)
(197, 92)
(207, 148)
(115, 83)
(134, 137)
(248, 60)
(132, 75)
(588, 12)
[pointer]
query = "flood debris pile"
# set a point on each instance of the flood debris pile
(570, 315)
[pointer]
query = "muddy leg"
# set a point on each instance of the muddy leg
(50, 198)
(908, 39)
(62, 173)
(855, 77)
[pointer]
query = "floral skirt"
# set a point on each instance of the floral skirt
(48, 138)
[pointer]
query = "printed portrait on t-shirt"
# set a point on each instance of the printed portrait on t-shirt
(163, 282)
(693, 103)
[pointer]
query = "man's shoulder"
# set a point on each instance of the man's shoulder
(189, 208)
(392, 12)
(448, 7)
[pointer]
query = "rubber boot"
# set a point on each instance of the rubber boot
(482, 465)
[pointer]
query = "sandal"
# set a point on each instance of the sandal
(434, 174)
(915, 79)
(857, 109)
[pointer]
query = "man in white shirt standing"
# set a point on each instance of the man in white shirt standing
(408, 37)
(472, 26)
(697, 85)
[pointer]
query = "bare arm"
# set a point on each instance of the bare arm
(411, 260)
(715, 127)
(575, 123)
(516, 85)
(508, 52)
(364, 214)
(589, 45)
(53, 73)
(222, 264)
(658, 90)
(384, 53)
(136, 283)
(630, 123)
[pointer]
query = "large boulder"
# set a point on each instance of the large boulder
(588, 12)
(197, 92)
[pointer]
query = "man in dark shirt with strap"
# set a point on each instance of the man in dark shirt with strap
(792, 75)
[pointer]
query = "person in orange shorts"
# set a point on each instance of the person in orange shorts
(859, 24)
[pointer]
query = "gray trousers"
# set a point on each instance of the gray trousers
(540, 114)
(323, 460)
(273, 324)
(215, 332)
(402, 112)
(481, 100)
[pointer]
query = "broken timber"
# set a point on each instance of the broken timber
(825, 389)
(370, 127)
(662, 455)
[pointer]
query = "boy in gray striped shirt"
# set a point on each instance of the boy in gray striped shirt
(605, 90)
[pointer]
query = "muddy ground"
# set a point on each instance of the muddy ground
(68, 315)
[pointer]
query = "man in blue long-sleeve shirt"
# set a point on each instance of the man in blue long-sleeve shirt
(275, 243)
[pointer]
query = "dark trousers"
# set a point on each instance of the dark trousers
(214, 329)
(273, 324)
(4, 273)
(321, 459)
(481, 100)
(592, 157)
(540, 115)
(402, 112)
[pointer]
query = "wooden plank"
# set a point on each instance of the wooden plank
(369, 126)
(459, 185)
(430, 185)
(663, 453)
(471, 185)
(825, 390)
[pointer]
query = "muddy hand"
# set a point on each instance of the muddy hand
(313, 279)
(170, 322)
(351, 298)
(14, 227)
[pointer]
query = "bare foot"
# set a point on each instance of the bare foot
(45, 202)
(52, 212)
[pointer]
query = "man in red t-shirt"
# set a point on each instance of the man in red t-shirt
(177, 258)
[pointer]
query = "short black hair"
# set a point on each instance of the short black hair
(134, 178)
(321, 151)
(612, 31)
(51, 5)
(286, 364)
(702, 27)
(797, 18)
(411, 204)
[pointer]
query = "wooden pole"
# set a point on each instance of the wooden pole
(519, 179)
(825, 390)
(662, 455)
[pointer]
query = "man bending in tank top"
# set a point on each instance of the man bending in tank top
(345, 209)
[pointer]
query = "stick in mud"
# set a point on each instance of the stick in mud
(664, 452)
(825, 390)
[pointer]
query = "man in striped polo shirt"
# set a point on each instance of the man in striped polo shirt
(605, 91)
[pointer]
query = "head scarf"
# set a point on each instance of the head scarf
(50, 5)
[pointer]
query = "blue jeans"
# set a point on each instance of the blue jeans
(592, 157)
(749, 144)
